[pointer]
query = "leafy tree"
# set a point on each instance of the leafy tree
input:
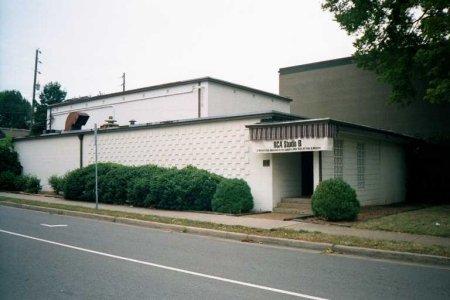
(15, 110)
(40, 119)
(51, 94)
(9, 159)
(405, 42)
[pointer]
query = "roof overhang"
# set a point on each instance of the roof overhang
(318, 128)
(311, 128)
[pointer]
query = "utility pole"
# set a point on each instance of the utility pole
(96, 166)
(36, 61)
(123, 81)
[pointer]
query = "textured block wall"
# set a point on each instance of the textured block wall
(221, 148)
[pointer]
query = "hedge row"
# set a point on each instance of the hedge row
(152, 186)
(11, 178)
(9, 181)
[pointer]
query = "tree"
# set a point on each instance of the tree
(15, 110)
(51, 94)
(405, 42)
(9, 159)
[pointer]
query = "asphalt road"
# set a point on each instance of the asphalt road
(88, 259)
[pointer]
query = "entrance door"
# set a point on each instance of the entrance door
(307, 174)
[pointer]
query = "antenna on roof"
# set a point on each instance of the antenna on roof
(123, 81)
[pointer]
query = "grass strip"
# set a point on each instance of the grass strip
(433, 221)
(400, 246)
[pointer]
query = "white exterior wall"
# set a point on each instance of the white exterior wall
(46, 157)
(287, 176)
(385, 171)
(168, 104)
(260, 182)
(220, 147)
(174, 103)
(224, 100)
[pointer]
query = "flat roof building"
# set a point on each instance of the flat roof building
(229, 129)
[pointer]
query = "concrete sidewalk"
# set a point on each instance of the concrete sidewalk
(248, 221)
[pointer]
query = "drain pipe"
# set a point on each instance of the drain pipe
(199, 112)
(80, 137)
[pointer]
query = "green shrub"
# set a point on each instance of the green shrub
(9, 159)
(12, 182)
(20, 183)
(198, 187)
(57, 183)
(140, 193)
(32, 184)
(145, 186)
(186, 189)
(169, 194)
(9, 181)
(335, 200)
(10, 167)
(232, 196)
(144, 189)
(114, 187)
(118, 183)
(80, 183)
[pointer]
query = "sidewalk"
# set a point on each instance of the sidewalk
(248, 221)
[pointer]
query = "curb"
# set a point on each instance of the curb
(392, 255)
(242, 237)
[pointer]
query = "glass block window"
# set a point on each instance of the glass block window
(338, 158)
(361, 165)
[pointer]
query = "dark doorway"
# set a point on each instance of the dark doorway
(307, 174)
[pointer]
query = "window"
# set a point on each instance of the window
(361, 164)
(338, 158)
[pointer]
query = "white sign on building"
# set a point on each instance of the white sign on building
(292, 145)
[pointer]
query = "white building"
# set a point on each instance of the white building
(228, 129)
(197, 98)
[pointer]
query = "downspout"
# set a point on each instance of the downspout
(199, 91)
(80, 137)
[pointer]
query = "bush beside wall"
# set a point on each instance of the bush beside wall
(9, 159)
(11, 178)
(31, 184)
(148, 186)
(232, 196)
(9, 181)
(57, 183)
(335, 200)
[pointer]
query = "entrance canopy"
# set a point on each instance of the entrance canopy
(313, 128)
(293, 136)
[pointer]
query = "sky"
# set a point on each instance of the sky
(87, 45)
